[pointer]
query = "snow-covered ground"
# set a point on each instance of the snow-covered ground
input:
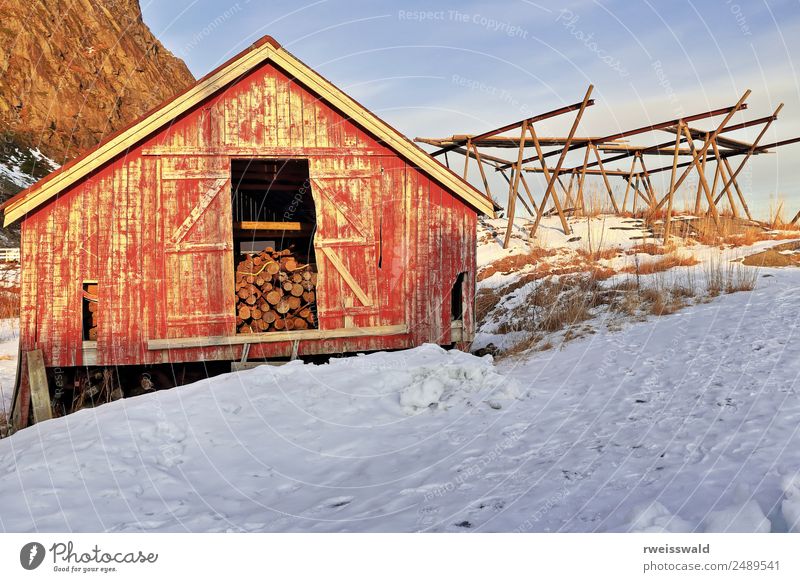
(684, 422)
(9, 340)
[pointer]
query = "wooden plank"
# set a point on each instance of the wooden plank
(275, 336)
(347, 276)
(251, 225)
(240, 366)
(89, 353)
(197, 211)
(40, 393)
(194, 174)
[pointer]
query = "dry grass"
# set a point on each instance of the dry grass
(514, 263)
(661, 264)
(734, 232)
(729, 278)
(650, 249)
(599, 254)
(9, 302)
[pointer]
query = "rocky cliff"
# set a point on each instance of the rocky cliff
(73, 71)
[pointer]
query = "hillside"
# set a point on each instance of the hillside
(641, 419)
(73, 72)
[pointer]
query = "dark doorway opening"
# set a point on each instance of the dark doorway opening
(274, 220)
(457, 298)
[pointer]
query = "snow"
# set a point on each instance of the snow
(9, 339)
(11, 167)
(744, 517)
(688, 422)
(655, 518)
(790, 506)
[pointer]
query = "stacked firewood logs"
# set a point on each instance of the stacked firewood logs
(274, 293)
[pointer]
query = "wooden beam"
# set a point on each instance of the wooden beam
(628, 185)
(666, 144)
(605, 178)
(347, 276)
(497, 141)
(738, 190)
(556, 203)
(40, 393)
(253, 225)
(671, 193)
(537, 170)
(656, 126)
(750, 151)
(712, 207)
(275, 336)
(561, 158)
(514, 185)
(521, 199)
(724, 176)
(697, 201)
(739, 105)
(510, 126)
(582, 180)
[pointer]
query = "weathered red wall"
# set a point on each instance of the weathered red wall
(114, 227)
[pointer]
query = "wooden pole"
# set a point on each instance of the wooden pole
(466, 160)
(514, 185)
(561, 158)
(712, 207)
(738, 190)
(714, 182)
(752, 148)
(671, 193)
(648, 186)
(628, 184)
(40, 393)
(704, 149)
(583, 179)
(697, 202)
(521, 199)
(528, 192)
(483, 173)
(556, 203)
(570, 202)
(724, 176)
(605, 178)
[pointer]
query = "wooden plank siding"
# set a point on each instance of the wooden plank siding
(401, 236)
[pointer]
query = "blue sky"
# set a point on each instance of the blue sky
(434, 69)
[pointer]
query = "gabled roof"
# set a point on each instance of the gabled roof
(266, 49)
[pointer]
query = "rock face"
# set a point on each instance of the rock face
(74, 71)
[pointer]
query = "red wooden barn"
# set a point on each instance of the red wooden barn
(150, 224)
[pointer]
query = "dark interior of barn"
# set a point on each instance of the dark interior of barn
(273, 207)
(274, 220)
